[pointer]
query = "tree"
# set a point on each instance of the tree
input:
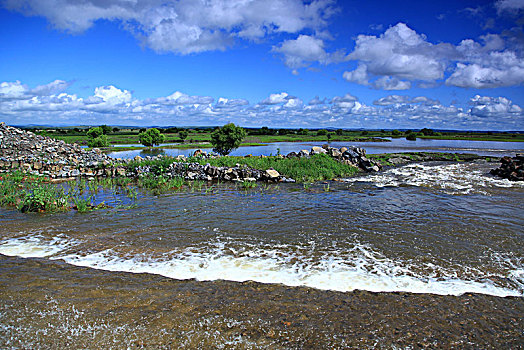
(427, 132)
(227, 138)
(396, 133)
(183, 135)
(100, 141)
(151, 137)
(115, 129)
(322, 132)
(411, 136)
(93, 133)
(106, 129)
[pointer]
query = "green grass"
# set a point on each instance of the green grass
(317, 168)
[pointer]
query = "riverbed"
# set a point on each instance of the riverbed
(424, 256)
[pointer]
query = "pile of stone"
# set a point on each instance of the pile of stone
(20, 149)
(196, 171)
(511, 168)
(353, 156)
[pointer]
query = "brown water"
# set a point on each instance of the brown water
(423, 256)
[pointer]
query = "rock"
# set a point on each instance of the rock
(317, 150)
(510, 168)
(199, 153)
(272, 173)
(303, 153)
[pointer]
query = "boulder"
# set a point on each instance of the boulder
(317, 150)
(272, 174)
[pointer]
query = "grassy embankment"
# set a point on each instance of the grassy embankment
(31, 193)
(317, 168)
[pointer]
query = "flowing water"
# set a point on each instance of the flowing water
(424, 255)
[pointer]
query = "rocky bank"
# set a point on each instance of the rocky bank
(511, 168)
(36, 154)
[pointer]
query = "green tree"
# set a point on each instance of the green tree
(106, 129)
(151, 137)
(322, 132)
(100, 141)
(427, 132)
(411, 136)
(93, 133)
(396, 132)
(227, 138)
(182, 134)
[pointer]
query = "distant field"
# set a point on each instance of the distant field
(202, 138)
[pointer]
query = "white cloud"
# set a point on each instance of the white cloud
(390, 83)
(12, 90)
(184, 26)
(509, 5)
(304, 50)
(485, 106)
(112, 105)
(391, 100)
(400, 56)
(400, 52)
(179, 98)
(316, 101)
(112, 95)
(275, 99)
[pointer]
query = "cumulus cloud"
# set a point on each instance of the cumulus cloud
(112, 105)
(398, 53)
(509, 5)
(185, 26)
(179, 98)
(316, 101)
(304, 50)
(275, 99)
(485, 106)
(400, 56)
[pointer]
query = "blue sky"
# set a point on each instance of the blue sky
(280, 63)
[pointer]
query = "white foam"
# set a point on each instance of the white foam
(35, 246)
(360, 269)
(460, 178)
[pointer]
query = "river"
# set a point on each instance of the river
(484, 148)
(428, 255)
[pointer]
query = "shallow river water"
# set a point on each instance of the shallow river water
(425, 255)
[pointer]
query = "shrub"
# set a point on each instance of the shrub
(93, 133)
(106, 129)
(151, 137)
(100, 141)
(227, 138)
(396, 132)
(411, 136)
(183, 135)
